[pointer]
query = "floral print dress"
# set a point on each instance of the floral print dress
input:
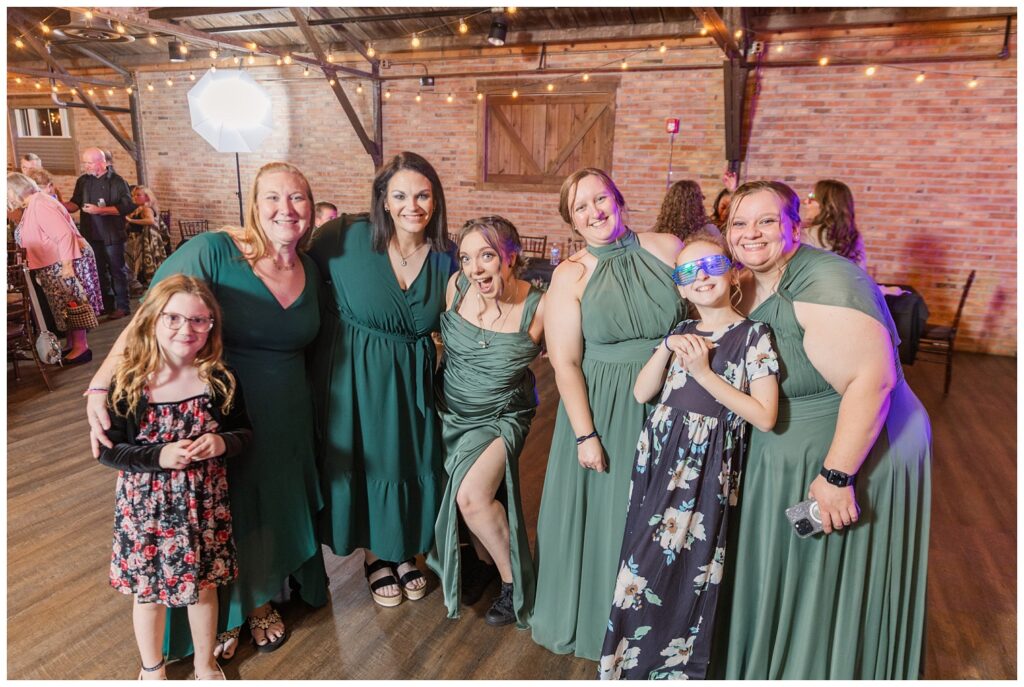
(172, 529)
(685, 478)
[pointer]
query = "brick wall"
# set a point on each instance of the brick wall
(932, 165)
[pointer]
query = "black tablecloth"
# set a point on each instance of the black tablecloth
(538, 271)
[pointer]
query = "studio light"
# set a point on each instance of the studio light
(499, 30)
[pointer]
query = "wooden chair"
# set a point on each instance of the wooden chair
(534, 246)
(937, 340)
(20, 336)
(190, 228)
(574, 246)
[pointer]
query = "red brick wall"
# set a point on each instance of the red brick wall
(932, 165)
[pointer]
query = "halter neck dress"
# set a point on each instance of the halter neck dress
(487, 391)
(627, 306)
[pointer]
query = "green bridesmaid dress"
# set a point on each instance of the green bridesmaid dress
(275, 494)
(849, 605)
(627, 306)
(380, 458)
(487, 392)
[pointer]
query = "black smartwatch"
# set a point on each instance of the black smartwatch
(837, 478)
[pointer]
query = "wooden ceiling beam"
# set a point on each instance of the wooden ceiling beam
(874, 17)
(373, 148)
(171, 13)
(340, 21)
(344, 34)
(718, 30)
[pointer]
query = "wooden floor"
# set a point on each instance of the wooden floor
(65, 622)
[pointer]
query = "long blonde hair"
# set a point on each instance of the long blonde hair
(251, 235)
(142, 356)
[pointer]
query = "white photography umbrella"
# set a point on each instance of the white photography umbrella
(232, 112)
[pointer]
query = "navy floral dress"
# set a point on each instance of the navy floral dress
(172, 529)
(685, 478)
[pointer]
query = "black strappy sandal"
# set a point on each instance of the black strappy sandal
(264, 624)
(155, 668)
(385, 581)
(411, 593)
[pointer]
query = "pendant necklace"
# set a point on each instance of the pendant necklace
(484, 340)
(405, 258)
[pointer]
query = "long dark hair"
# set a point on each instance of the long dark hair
(383, 226)
(835, 222)
(715, 217)
(682, 210)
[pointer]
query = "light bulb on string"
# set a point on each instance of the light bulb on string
(119, 28)
(91, 91)
(88, 14)
(279, 62)
(18, 43)
(463, 27)
(252, 46)
(331, 82)
(191, 76)
(624, 65)
(237, 60)
(152, 39)
(73, 91)
(359, 88)
(511, 10)
(870, 71)
(515, 93)
(551, 87)
(330, 57)
(57, 90)
(169, 83)
(586, 77)
(450, 98)
(419, 98)
(128, 90)
(780, 47)
(973, 83)
(288, 58)
(44, 27)
(149, 87)
(305, 70)
(823, 61)
(183, 49)
(663, 49)
(17, 79)
(251, 59)
(415, 41)
(919, 78)
(110, 91)
(213, 68)
(387, 93)
(38, 85)
(739, 33)
(370, 52)
(479, 96)
(703, 30)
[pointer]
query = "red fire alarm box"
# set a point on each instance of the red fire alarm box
(671, 126)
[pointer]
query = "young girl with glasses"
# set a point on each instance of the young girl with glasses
(715, 373)
(176, 415)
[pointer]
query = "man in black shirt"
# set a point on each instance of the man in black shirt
(104, 199)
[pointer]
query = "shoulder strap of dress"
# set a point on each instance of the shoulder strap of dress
(530, 307)
(461, 287)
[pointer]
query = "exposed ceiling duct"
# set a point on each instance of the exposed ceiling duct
(94, 29)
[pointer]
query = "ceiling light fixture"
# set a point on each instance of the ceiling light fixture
(498, 32)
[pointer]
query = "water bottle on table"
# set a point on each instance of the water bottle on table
(556, 254)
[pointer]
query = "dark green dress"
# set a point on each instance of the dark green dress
(487, 392)
(627, 306)
(274, 491)
(380, 442)
(849, 605)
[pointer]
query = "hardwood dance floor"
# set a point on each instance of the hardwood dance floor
(65, 622)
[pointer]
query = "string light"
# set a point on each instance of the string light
(419, 98)
(18, 43)
(387, 93)
(305, 70)
(44, 27)
(57, 90)
(169, 82)
(624, 65)
(213, 69)
(183, 49)
(288, 58)
(191, 76)
(91, 92)
(870, 71)
(415, 41)
(663, 49)
(237, 59)
(780, 47)
(251, 59)
(149, 87)
(515, 93)
(88, 14)
(703, 30)
(739, 33)
(463, 27)
(330, 57)
(38, 85)
(17, 79)
(973, 83)
(73, 91)
(479, 96)
(586, 77)
(551, 87)
(359, 88)
(213, 54)
(450, 98)
(370, 52)
(253, 46)
(119, 28)
(128, 90)
(511, 10)
(110, 91)
(919, 78)
(152, 39)
(332, 82)
(278, 61)
(823, 61)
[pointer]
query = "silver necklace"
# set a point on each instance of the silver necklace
(405, 258)
(486, 342)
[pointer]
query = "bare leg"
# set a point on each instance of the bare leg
(148, 621)
(486, 517)
(202, 619)
(78, 341)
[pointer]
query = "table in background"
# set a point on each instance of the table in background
(538, 271)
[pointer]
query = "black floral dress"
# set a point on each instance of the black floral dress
(172, 529)
(685, 477)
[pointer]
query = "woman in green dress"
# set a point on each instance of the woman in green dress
(380, 458)
(607, 308)
(268, 293)
(487, 399)
(848, 603)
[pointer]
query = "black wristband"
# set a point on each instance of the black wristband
(580, 440)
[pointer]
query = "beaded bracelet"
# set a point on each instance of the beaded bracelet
(580, 440)
(95, 390)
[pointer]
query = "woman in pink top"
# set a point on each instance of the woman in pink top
(59, 259)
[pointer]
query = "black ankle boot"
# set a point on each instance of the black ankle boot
(476, 577)
(501, 611)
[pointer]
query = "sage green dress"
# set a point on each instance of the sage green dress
(380, 457)
(849, 605)
(275, 494)
(628, 305)
(487, 392)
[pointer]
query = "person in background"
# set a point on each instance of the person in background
(829, 222)
(144, 250)
(104, 200)
(720, 208)
(59, 260)
(325, 212)
(682, 211)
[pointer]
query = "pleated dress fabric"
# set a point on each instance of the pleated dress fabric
(487, 392)
(275, 495)
(627, 306)
(849, 605)
(380, 457)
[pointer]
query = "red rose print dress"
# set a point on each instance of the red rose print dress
(172, 529)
